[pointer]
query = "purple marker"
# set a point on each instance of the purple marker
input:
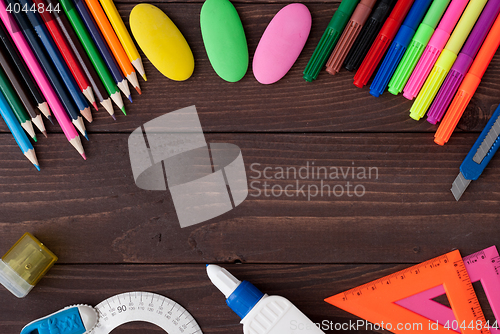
(463, 62)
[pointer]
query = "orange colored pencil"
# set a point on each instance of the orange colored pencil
(113, 43)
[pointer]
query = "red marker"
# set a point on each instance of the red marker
(382, 42)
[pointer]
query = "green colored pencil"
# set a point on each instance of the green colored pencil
(16, 104)
(91, 50)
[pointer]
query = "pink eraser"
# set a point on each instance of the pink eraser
(281, 43)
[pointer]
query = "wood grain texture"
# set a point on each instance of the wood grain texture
(304, 285)
(407, 214)
(329, 104)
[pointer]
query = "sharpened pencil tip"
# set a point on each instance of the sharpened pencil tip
(123, 111)
(130, 98)
(86, 136)
(95, 106)
(138, 90)
(37, 167)
(114, 118)
(45, 133)
(144, 77)
(50, 119)
(83, 156)
(34, 139)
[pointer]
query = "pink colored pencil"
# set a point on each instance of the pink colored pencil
(40, 78)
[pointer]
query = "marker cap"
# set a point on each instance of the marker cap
(24, 265)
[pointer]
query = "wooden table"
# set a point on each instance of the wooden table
(112, 237)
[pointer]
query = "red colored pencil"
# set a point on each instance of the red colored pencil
(68, 55)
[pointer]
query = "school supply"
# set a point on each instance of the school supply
(479, 156)
(123, 35)
(77, 319)
(469, 85)
(376, 301)
(170, 52)
(351, 32)
(368, 34)
(465, 59)
(26, 76)
(417, 46)
(483, 266)
(103, 48)
(114, 44)
(252, 306)
(434, 48)
(43, 82)
(147, 307)
(329, 39)
(398, 46)
(446, 59)
(25, 264)
(21, 90)
(384, 38)
(92, 52)
(281, 43)
(224, 39)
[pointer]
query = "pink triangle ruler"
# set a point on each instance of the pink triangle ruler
(482, 266)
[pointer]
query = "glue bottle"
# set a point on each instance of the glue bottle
(260, 313)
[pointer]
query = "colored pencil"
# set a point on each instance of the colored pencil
(123, 35)
(113, 43)
(103, 48)
(21, 90)
(91, 49)
(25, 74)
(57, 59)
(16, 105)
(48, 67)
(16, 130)
(67, 53)
(91, 74)
(41, 79)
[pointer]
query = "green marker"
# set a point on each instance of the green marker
(92, 52)
(16, 104)
(329, 39)
(417, 46)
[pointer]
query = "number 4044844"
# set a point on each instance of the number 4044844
(40, 8)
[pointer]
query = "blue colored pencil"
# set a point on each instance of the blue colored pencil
(48, 67)
(57, 59)
(103, 48)
(17, 131)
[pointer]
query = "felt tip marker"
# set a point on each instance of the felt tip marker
(417, 46)
(398, 46)
(351, 32)
(479, 156)
(446, 59)
(329, 39)
(367, 35)
(464, 61)
(469, 85)
(382, 42)
(434, 48)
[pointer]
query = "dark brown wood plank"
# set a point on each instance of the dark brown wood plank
(92, 212)
(330, 104)
(304, 285)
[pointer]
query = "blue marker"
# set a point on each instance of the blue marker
(17, 131)
(398, 46)
(479, 156)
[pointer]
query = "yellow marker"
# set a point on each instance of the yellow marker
(123, 35)
(162, 42)
(446, 59)
(25, 264)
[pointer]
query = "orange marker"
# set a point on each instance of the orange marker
(376, 301)
(113, 43)
(469, 85)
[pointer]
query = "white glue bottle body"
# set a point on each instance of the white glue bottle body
(260, 313)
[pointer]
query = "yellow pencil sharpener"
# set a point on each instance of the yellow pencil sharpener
(25, 264)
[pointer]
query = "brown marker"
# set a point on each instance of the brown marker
(349, 35)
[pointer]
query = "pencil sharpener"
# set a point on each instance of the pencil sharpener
(25, 264)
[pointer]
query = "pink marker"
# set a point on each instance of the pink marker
(434, 48)
(40, 78)
(482, 266)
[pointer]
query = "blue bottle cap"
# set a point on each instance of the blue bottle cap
(244, 298)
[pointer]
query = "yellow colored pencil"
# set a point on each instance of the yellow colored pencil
(123, 35)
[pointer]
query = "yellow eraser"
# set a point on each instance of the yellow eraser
(162, 42)
(25, 264)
